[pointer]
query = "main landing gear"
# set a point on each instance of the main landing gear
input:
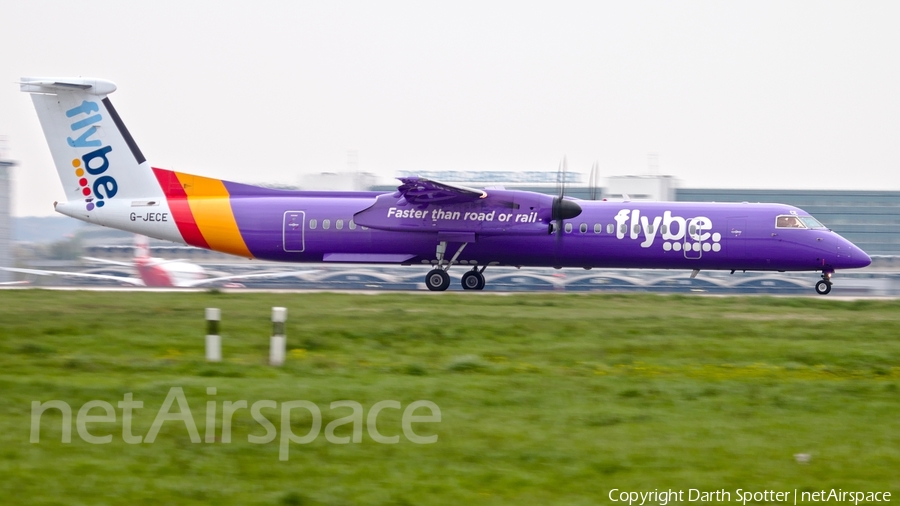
(823, 287)
(437, 280)
(474, 279)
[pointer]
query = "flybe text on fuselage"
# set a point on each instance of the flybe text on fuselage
(91, 167)
(672, 230)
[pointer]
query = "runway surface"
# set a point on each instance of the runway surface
(428, 292)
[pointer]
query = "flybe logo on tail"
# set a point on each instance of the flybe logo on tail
(90, 168)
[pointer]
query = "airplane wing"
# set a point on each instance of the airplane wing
(161, 261)
(238, 277)
(421, 191)
(122, 279)
(110, 262)
(155, 261)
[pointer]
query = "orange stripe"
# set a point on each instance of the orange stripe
(211, 206)
(178, 204)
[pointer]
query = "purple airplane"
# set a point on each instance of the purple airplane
(109, 182)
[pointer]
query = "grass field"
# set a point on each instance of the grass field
(544, 398)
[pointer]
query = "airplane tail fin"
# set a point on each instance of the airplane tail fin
(96, 157)
(141, 246)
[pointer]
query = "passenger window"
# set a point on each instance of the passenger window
(598, 228)
(582, 228)
(312, 224)
(339, 224)
(637, 228)
(624, 228)
(610, 228)
(568, 228)
(326, 224)
(352, 225)
(650, 230)
(693, 229)
(662, 229)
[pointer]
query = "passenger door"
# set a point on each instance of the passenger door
(293, 231)
(736, 239)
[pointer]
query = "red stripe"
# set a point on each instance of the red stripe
(178, 205)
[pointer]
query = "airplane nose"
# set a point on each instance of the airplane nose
(855, 257)
(861, 258)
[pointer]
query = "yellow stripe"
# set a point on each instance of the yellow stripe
(211, 206)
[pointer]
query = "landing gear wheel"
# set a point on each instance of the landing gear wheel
(823, 287)
(437, 280)
(473, 280)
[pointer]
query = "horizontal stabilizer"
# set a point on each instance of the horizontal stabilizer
(99, 87)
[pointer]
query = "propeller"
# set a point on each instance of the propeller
(594, 179)
(562, 209)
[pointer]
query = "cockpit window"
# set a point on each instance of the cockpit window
(811, 222)
(788, 221)
(794, 221)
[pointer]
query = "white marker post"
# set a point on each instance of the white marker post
(213, 341)
(276, 350)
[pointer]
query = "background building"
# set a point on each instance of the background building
(338, 181)
(659, 188)
(6, 259)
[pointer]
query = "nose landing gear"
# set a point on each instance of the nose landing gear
(823, 287)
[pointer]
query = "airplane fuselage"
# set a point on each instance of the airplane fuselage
(326, 227)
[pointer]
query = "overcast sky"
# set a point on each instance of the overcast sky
(755, 94)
